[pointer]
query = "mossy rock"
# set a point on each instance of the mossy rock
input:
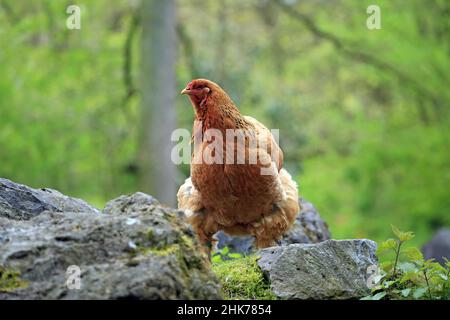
(10, 280)
(135, 249)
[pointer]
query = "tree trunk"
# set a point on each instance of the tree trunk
(157, 173)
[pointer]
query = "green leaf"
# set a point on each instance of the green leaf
(386, 266)
(379, 295)
(396, 231)
(378, 277)
(413, 276)
(216, 259)
(413, 254)
(447, 263)
(406, 292)
(402, 236)
(418, 293)
(387, 284)
(386, 245)
(407, 267)
(443, 276)
(406, 236)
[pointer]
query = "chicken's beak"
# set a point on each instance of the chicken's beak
(185, 91)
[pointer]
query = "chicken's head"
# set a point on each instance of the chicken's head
(198, 91)
(207, 97)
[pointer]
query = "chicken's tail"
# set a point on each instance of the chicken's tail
(189, 200)
(188, 197)
(274, 225)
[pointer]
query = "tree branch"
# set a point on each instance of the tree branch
(360, 56)
(130, 89)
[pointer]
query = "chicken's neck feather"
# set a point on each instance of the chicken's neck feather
(220, 114)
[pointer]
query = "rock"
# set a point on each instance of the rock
(439, 246)
(136, 249)
(20, 202)
(333, 269)
(308, 228)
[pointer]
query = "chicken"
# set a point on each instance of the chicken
(256, 198)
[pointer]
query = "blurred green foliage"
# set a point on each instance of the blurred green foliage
(363, 114)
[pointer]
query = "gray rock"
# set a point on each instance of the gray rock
(22, 203)
(333, 269)
(131, 204)
(137, 249)
(438, 247)
(308, 228)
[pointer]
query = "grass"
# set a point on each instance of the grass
(242, 279)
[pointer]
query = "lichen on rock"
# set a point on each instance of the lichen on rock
(10, 280)
(333, 269)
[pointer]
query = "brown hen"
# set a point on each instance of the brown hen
(235, 196)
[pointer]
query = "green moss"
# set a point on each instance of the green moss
(188, 242)
(150, 234)
(184, 250)
(164, 251)
(141, 252)
(242, 279)
(192, 264)
(10, 280)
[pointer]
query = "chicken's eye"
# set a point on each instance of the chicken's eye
(200, 87)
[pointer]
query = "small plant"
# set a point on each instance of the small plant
(405, 274)
(224, 255)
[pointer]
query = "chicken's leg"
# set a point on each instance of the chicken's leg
(205, 227)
